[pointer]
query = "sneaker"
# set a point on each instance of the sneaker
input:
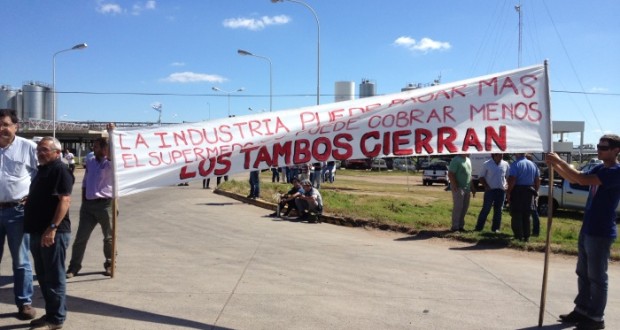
(39, 322)
(26, 312)
(70, 275)
(108, 271)
(274, 214)
(590, 324)
(573, 317)
(47, 326)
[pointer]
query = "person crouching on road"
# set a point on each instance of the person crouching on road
(46, 219)
(289, 199)
(309, 201)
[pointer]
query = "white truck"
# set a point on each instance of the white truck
(477, 161)
(435, 173)
(566, 195)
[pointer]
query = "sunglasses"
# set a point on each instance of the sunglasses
(602, 148)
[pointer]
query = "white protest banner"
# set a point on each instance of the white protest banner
(504, 112)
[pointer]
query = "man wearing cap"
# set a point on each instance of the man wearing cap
(18, 165)
(310, 201)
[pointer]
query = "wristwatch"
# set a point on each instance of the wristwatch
(53, 226)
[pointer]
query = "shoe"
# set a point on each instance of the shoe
(108, 271)
(47, 326)
(573, 317)
(590, 324)
(39, 322)
(70, 275)
(274, 214)
(26, 312)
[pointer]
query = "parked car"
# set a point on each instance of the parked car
(404, 164)
(379, 164)
(362, 163)
(436, 173)
(589, 165)
(566, 195)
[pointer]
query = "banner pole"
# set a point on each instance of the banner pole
(543, 294)
(110, 129)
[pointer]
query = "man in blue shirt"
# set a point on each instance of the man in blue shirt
(598, 231)
(523, 184)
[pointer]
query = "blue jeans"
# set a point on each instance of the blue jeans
(492, 198)
(49, 264)
(12, 227)
(254, 184)
(592, 277)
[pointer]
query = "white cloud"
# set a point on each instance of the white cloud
(192, 77)
(599, 90)
(139, 7)
(423, 46)
(109, 8)
(255, 24)
(177, 64)
(112, 8)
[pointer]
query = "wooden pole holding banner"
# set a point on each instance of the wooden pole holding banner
(110, 129)
(543, 294)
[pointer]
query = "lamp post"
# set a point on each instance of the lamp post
(246, 53)
(217, 89)
(318, 46)
(158, 107)
(76, 47)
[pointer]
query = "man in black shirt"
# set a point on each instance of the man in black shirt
(46, 219)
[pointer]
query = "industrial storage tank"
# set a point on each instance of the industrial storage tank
(34, 95)
(367, 88)
(7, 97)
(344, 91)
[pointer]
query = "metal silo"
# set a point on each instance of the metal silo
(344, 91)
(34, 100)
(7, 97)
(367, 88)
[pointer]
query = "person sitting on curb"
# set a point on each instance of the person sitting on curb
(310, 201)
(289, 199)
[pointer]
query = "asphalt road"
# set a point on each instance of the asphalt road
(192, 259)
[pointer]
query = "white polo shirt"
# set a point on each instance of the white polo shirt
(18, 165)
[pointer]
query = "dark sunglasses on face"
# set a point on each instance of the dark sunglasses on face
(602, 148)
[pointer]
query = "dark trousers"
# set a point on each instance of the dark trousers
(49, 265)
(520, 224)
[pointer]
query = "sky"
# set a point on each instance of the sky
(142, 54)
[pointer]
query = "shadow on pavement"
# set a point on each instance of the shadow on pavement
(425, 234)
(558, 326)
(87, 306)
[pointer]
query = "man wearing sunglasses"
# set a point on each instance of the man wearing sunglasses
(598, 231)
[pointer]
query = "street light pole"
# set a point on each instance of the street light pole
(76, 47)
(217, 89)
(318, 46)
(246, 53)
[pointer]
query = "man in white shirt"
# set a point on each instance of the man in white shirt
(493, 176)
(18, 165)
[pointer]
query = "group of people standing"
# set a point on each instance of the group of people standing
(35, 196)
(518, 183)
